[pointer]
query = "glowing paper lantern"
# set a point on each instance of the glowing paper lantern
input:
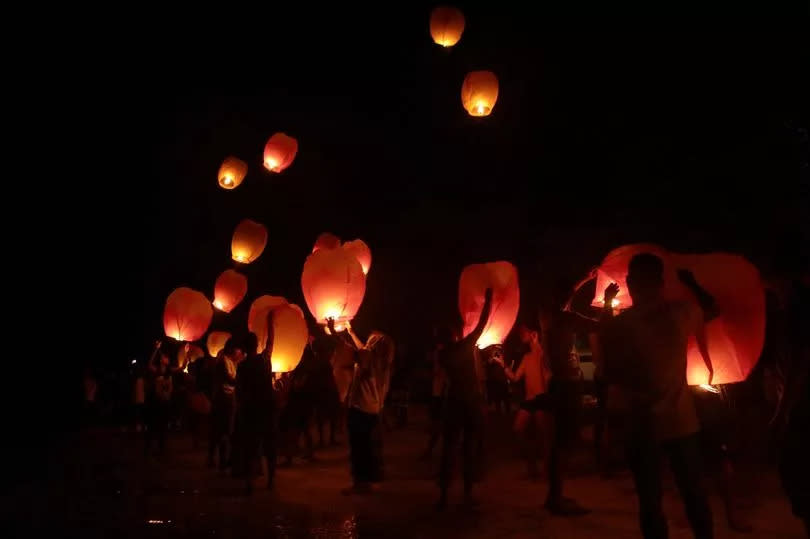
(216, 342)
(502, 277)
(279, 152)
(735, 338)
(257, 316)
(248, 241)
(361, 252)
(230, 288)
(479, 92)
(231, 172)
(446, 25)
(187, 314)
(333, 284)
(290, 335)
(327, 240)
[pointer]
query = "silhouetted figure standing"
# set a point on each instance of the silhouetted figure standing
(464, 412)
(645, 357)
(223, 403)
(158, 400)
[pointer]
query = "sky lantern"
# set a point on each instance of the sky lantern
(326, 240)
(248, 241)
(446, 25)
(361, 252)
(230, 288)
(231, 173)
(736, 337)
(479, 92)
(290, 335)
(279, 152)
(257, 316)
(187, 314)
(333, 284)
(502, 277)
(216, 342)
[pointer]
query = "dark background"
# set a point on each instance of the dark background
(679, 131)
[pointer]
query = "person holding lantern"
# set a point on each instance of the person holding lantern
(464, 416)
(222, 404)
(644, 351)
(372, 375)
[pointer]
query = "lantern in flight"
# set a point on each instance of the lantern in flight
(479, 92)
(290, 335)
(333, 284)
(736, 337)
(216, 342)
(257, 316)
(502, 277)
(186, 315)
(361, 252)
(327, 240)
(248, 241)
(230, 288)
(279, 152)
(446, 25)
(231, 172)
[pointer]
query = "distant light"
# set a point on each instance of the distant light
(158, 521)
(710, 389)
(134, 361)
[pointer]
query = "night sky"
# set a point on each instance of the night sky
(603, 134)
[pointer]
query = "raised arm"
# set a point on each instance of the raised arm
(484, 318)
(357, 342)
(706, 301)
(703, 347)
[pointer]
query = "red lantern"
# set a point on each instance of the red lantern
(216, 342)
(257, 317)
(231, 172)
(446, 25)
(187, 314)
(333, 284)
(361, 252)
(230, 288)
(502, 277)
(479, 92)
(279, 152)
(735, 338)
(327, 240)
(290, 335)
(248, 241)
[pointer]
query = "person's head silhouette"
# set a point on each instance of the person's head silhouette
(645, 278)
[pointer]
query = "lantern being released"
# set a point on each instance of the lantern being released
(333, 284)
(257, 317)
(231, 173)
(279, 152)
(446, 25)
(230, 288)
(326, 240)
(735, 338)
(502, 277)
(361, 252)
(187, 314)
(290, 335)
(479, 92)
(216, 342)
(188, 354)
(248, 241)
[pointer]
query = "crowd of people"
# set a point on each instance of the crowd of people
(342, 382)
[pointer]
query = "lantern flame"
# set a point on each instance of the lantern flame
(272, 164)
(709, 388)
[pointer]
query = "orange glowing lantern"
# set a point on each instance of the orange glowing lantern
(446, 25)
(279, 152)
(736, 337)
(327, 240)
(502, 277)
(361, 252)
(290, 335)
(216, 342)
(248, 241)
(231, 173)
(257, 316)
(230, 288)
(187, 314)
(479, 92)
(333, 284)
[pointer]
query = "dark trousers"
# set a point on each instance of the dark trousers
(157, 424)
(644, 456)
(464, 423)
(365, 444)
(220, 428)
(566, 402)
